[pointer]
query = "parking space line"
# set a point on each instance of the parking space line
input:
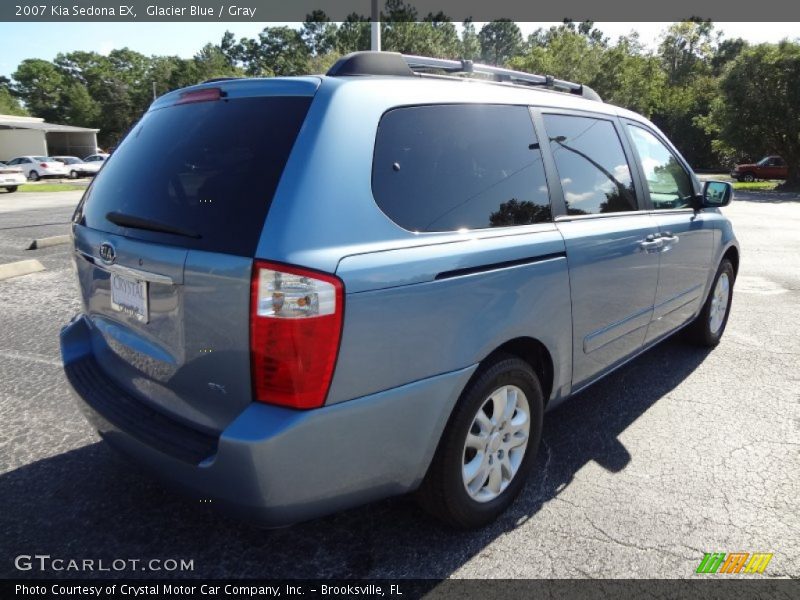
(19, 268)
(45, 242)
(26, 357)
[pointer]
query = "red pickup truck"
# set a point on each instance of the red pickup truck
(769, 167)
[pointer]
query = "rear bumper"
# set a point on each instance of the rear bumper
(273, 465)
(7, 180)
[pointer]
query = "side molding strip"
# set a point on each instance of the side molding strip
(499, 265)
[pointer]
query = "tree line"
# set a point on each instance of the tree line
(719, 100)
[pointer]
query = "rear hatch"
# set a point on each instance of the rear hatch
(165, 238)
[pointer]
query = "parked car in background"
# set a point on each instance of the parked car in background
(769, 167)
(98, 158)
(11, 177)
(37, 167)
(339, 288)
(79, 168)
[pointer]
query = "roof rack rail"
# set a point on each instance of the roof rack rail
(394, 63)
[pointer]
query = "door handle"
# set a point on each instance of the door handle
(668, 237)
(651, 243)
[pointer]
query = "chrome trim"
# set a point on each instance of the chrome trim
(129, 271)
(622, 213)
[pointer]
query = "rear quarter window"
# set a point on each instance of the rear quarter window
(210, 168)
(451, 167)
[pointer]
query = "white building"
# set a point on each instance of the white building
(21, 136)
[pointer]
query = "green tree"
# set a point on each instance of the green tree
(686, 53)
(686, 50)
(564, 52)
(80, 109)
(470, 44)
(758, 110)
(319, 33)
(402, 31)
(39, 85)
(353, 34)
(500, 41)
(630, 77)
(278, 51)
(726, 52)
(9, 105)
(209, 63)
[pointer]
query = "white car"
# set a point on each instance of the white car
(79, 168)
(98, 158)
(36, 167)
(11, 177)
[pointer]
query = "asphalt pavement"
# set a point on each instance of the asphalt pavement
(681, 452)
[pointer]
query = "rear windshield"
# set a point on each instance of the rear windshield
(203, 173)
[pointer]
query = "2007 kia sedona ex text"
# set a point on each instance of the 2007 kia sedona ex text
(334, 289)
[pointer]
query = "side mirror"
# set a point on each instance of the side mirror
(716, 194)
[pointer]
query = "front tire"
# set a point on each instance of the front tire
(748, 177)
(488, 447)
(708, 327)
(73, 174)
(11, 189)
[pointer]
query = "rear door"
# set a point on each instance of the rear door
(611, 243)
(165, 238)
(687, 235)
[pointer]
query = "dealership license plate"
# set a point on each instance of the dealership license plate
(129, 296)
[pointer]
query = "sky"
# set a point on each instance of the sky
(19, 41)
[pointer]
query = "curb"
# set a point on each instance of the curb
(48, 241)
(21, 267)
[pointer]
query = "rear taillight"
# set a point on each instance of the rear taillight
(43, 165)
(295, 327)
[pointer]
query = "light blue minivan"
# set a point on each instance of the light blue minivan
(329, 290)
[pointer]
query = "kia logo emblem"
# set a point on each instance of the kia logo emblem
(107, 253)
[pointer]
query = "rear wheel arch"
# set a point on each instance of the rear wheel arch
(528, 349)
(533, 352)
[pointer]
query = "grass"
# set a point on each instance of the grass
(50, 187)
(763, 186)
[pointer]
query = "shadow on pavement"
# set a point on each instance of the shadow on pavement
(87, 503)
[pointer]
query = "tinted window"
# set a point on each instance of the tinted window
(207, 168)
(591, 164)
(444, 168)
(667, 181)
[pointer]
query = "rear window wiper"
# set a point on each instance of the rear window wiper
(135, 222)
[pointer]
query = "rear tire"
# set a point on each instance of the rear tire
(11, 189)
(73, 175)
(708, 327)
(33, 176)
(483, 459)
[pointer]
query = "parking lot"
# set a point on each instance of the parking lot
(681, 452)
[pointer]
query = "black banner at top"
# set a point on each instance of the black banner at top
(337, 10)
